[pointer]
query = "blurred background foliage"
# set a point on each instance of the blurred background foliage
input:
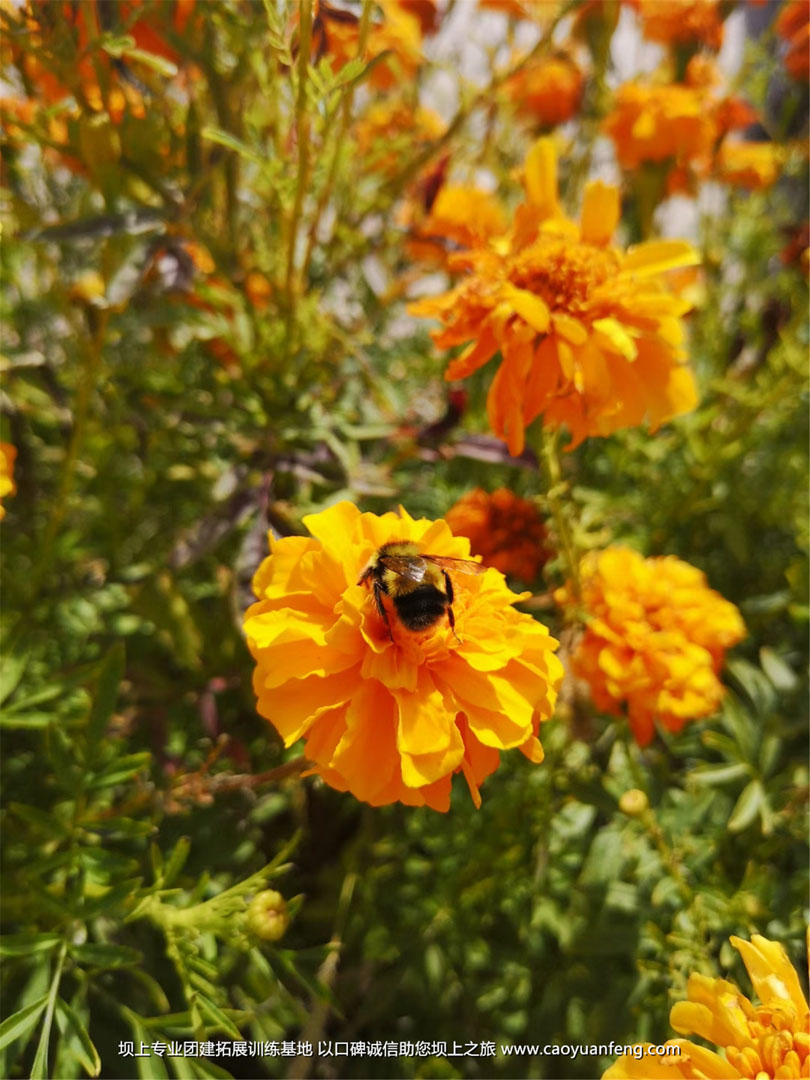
(205, 264)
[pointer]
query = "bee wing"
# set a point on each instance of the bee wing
(411, 567)
(459, 566)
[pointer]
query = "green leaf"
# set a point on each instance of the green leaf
(100, 955)
(106, 696)
(70, 1023)
(224, 138)
(19, 721)
(12, 667)
(25, 944)
(216, 1018)
(121, 769)
(176, 861)
(22, 1022)
(157, 63)
(152, 1067)
(720, 774)
(747, 808)
(781, 675)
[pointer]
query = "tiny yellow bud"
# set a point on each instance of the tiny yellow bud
(634, 802)
(88, 288)
(267, 916)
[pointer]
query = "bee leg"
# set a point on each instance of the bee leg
(378, 591)
(451, 618)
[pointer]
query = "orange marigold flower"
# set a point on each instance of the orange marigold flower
(589, 335)
(767, 1040)
(336, 32)
(505, 530)
(392, 717)
(682, 22)
(549, 90)
(655, 123)
(8, 454)
(752, 165)
(793, 25)
(655, 638)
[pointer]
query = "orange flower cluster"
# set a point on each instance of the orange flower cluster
(549, 91)
(8, 455)
(752, 165)
(682, 22)
(770, 1040)
(793, 26)
(505, 530)
(655, 639)
(392, 717)
(589, 335)
(659, 122)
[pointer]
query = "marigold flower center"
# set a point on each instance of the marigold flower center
(562, 273)
(775, 1048)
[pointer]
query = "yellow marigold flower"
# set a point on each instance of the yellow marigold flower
(392, 717)
(655, 638)
(656, 123)
(770, 1040)
(549, 91)
(336, 32)
(682, 22)
(505, 530)
(752, 165)
(589, 335)
(8, 454)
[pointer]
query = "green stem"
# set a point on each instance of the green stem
(555, 486)
(302, 131)
(40, 1065)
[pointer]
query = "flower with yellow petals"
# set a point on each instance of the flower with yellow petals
(390, 129)
(769, 1040)
(589, 335)
(682, 22)
(752, 165)
(391, 717)
(8, 454)
(505, 530)
(549, 90)
(655, 638)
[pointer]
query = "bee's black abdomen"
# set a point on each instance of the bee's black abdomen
(421, 608)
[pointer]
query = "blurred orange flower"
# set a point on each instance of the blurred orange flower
(659, 122)
(655, 638)
(8, 455)
(793, 25)
(336, 33)
(460, 217)
(682, 22)
(505, 530)
(549, 90)
(762, 1041)
(752, 165)
(589, 335)
(392, 718)
(389, 131)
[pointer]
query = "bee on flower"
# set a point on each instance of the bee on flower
(655, 638)
(769, 1040)
(589, 335)
(399, 663)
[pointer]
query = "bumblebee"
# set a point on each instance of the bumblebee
(419, 585)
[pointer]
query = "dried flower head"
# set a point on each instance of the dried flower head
(589, 334)
(655, 638)
(768, 1040)
(391, 717)
(505, 530)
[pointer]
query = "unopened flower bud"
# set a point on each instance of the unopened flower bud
(267, 916)
(634, 802)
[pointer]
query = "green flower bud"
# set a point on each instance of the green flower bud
(267, 916)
